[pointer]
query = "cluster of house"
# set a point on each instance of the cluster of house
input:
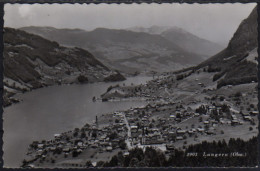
(146, 130)
(248, 116)
(147, 90)
(103, 139)
(137, 126)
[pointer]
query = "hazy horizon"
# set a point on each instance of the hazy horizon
(214, 22)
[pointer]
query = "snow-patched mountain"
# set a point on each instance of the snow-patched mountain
(124, 50)
(31, 61)
(184, 39)
(151, 30)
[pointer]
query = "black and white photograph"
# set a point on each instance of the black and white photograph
(130, 85)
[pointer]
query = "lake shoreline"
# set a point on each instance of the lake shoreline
(59, 108)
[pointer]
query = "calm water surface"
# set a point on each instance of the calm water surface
(56, 109)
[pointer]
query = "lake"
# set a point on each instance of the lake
(56, 109)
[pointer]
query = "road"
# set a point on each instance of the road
(232, 107)
(127, 141)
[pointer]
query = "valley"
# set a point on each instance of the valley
(136, 97)
(179, 113)
(135, 50)
(32, 62)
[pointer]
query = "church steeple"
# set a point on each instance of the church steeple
(97, 121)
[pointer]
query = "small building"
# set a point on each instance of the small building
(196, 114)
(234, 122)
(172, 116)
(178, 119)
(170, 147)
(200, 129)
(133, 128)
(52, 148)
(206, 122)
(80, 143)
(233, 117)
(210, 132)
(40, 146)
(254, 113)
(179, 138)
(79, 150)
(126, 154)
(190, 132)
(247, 118)
(109, 148)
(181, 132)
(57, 135)
(66, 150)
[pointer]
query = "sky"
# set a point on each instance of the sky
(214, 22)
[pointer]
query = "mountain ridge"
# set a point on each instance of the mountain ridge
(185, 39)
(31, 62)
(237, 63)
(140, 50)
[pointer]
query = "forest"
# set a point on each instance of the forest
(152, 157)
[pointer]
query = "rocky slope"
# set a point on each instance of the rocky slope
(31, 62)
(126, 51)
(237, 63)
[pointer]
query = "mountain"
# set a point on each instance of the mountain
(184, 39)
(191, 42)
(31, 61)
(237, 63)
(126, 51)
(151, 30)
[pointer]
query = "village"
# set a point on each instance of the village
(164, 123)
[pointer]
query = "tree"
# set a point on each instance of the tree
(113, 162)
(122, 144)
(57, 151)
(113, 135)
(252, 106)
(89, 164)
(25, 163)
(201, 110)
(53, 160)
(83, 135)
(134, 162)
(94, 134)
(75, 153)
(206, 127)
(180, 77)
(100, 163)
(225, 108)
(116, 120)
(178, 115)
(82, 79)
(155, 158)
(238, 94)
(221, 98)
